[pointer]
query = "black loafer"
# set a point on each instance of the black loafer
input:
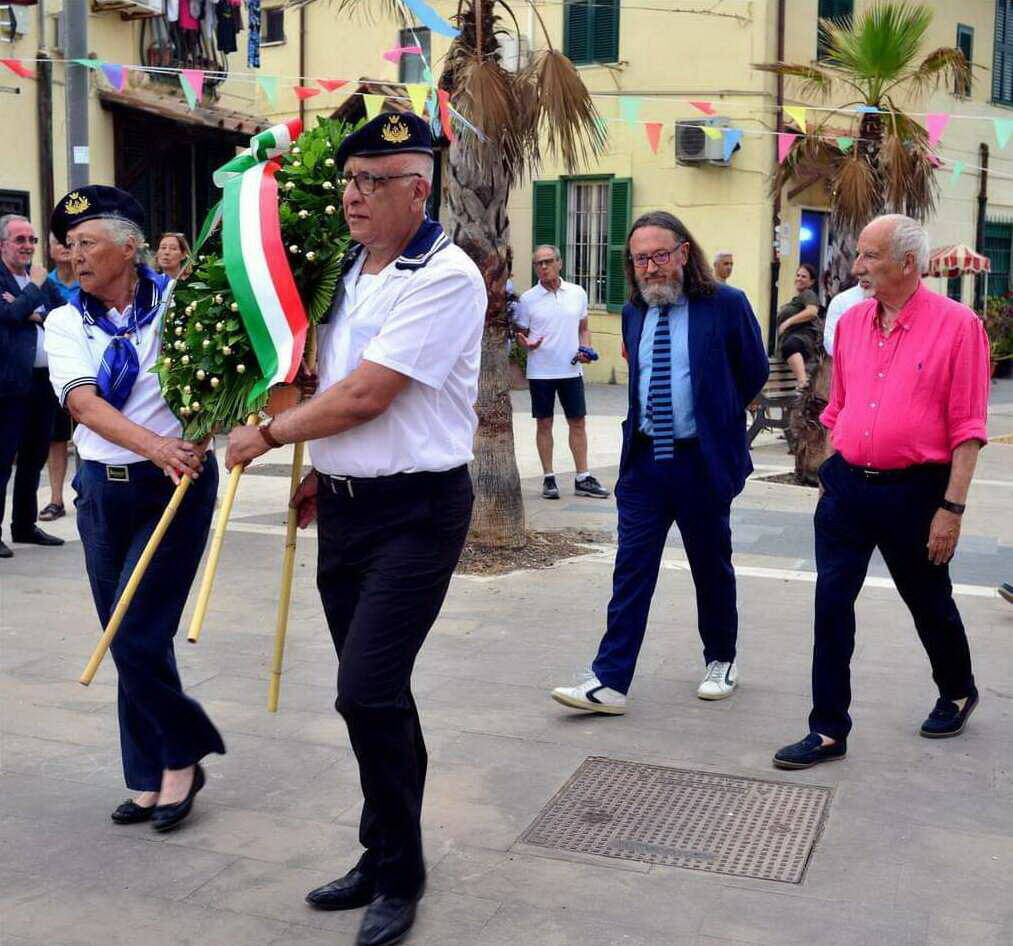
(946, 720)
(132, 813)
(355, 889)
(808, 752)
(36, 537)
(167, 817)
(52, 511)
(387, 920)
(5, 550)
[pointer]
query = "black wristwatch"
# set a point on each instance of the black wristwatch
(956, 508)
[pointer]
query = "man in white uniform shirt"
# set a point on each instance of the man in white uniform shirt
(552, 318)
(390, 430)
(840, 304)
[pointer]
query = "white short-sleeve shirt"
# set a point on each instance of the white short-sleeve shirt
(556, 317)
(837, 307)
(423, 320)
(75, 353)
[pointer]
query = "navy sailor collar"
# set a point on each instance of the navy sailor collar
(427, 241)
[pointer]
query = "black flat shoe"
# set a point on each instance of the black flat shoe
(132, 813)
(167, 817)
(946, 720)
(36, 537)
(809, 752)
(52, 511)
(355, 889)
(5, 550)
(387, 921)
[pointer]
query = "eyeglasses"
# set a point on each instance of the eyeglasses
(365, 183)
(660, 257)
(85, 245)
(22, 240)
(545, 262)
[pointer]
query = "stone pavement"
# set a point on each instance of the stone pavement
(918, 847)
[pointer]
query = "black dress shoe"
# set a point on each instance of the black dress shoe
(387, 920)
(946, 720)
(36, 537)
(809, 752)
(355, 889)
(167, 817)
(132, 813)
(5, 550)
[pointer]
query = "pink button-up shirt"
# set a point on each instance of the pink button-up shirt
(911, 396)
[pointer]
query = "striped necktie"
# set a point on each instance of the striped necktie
(659, 394)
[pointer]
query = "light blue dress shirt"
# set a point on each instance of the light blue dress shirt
(682, 385)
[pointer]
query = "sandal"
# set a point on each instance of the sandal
(52, 511)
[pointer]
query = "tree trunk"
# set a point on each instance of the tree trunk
(476, 198)
(807, 433)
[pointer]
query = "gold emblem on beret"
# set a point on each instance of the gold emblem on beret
(76, 204)
(394, 131)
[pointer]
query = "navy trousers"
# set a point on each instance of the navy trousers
(853, 517)
(651, 495)
(160, 726)
(386, 555)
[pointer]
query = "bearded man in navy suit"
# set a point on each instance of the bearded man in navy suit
(696, 360)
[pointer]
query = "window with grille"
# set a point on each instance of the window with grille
(411, 66)
(586, 256)
(836, 10)
(998, 240)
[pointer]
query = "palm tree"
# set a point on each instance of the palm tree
(875, 64)
(541, 110)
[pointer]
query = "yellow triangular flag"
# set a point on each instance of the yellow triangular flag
(712, 132)
(797, 114)
(373, 105)
(418, 92)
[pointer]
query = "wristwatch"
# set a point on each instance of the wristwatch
(956, 508)
(265, 432)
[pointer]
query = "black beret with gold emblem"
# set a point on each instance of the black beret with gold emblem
(91, 203)
(389, 133)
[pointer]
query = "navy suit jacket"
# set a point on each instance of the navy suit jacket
(17, 332)
(728, 367)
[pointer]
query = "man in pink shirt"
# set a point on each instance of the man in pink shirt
(907, 413)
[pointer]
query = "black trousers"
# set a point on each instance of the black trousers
(26, 426)
(387, 549)
(853, 517)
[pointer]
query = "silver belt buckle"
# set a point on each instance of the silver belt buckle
(342, 481)
(118, 474)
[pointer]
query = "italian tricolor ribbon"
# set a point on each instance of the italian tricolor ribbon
(255, 262)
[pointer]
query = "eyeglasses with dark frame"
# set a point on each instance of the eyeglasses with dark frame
(22, 240)
(365, 183)
(660, 257)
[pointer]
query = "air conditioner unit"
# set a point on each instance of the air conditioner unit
(514, 52)
(694, 146)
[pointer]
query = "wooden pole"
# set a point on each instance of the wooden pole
(211, 565)
(135, 579)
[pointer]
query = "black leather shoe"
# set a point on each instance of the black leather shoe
(355, 889)
(387, 920)
(946, 720)
(808, 752)
(167, 817)
(132, 813)
(5, 550)
(36, 537)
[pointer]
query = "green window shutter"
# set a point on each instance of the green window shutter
(578, 15)
(605, 32)
(620, 209)
(547, 214)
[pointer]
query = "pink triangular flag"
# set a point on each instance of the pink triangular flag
(448, 129)
(332, 84)
(935, 122)
(18, 68)
(304, 92)
(395, 54)
(653, 130)
(704, 107)
(194, 78)
(785, 139)
(115, 74)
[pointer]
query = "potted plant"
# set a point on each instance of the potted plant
(998, 320)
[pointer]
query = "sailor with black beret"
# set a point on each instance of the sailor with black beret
(102, 346)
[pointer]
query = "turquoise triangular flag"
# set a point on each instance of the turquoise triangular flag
(269, 86)
(629, 108)
(958, 169)
(1003, 127)
(844, 143)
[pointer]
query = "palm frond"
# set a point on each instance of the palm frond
(323, 294)
(811, 82)
(856, 198)
(372, 11)
(944, 64)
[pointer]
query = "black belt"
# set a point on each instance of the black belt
(364, 487)
(681, 443)
(917, 471)
(125, 472)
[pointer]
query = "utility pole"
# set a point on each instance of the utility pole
(44, 119)
(76, 30)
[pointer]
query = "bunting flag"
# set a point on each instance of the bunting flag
(448, 129)
(269, 86)
(704, 107)
(785, 139)
(797, 114)
(435, 115)
(303, 92)
(711, 132)
(116, 75)
(428, 17)
(935, 123)
(958, 169)
(732, 138)
(844, 143)
(1003, 127)
(395, 54)
(418, 92)
(866, 109)
(653, 130)
(332, 85)
(192, 81)
(427, 75)
(18, 68)
(373, 103)
(90, 63)
(629, 108)
(934, 160)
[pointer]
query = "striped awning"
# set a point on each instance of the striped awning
(955, 260)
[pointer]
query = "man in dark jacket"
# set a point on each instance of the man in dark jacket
(696, 360)
(26, 404)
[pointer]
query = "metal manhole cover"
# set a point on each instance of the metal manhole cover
(682, 818)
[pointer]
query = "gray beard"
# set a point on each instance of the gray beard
(660, 295)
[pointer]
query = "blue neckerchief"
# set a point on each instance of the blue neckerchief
(120, 365)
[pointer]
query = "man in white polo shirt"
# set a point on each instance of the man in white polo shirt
(552, 318)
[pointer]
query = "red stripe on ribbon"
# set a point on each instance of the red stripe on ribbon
(277, 265)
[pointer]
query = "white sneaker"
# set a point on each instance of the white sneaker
(719, 682)
(590, 695)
